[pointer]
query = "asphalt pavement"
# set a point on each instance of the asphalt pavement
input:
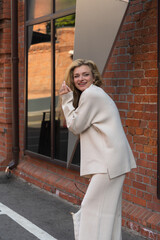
(30, 213)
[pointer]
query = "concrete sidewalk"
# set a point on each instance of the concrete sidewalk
(41, 209)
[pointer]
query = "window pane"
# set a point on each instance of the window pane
(39, 89)
(63, 4)
(38, 8)
(63, 57)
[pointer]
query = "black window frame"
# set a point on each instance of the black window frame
(52, 18)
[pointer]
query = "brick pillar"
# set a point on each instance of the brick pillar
(5, 84)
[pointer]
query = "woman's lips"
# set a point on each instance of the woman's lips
(82, 83)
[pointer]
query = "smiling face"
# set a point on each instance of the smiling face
(82, 77)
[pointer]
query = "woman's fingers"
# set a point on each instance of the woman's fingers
(69, 90)
(64, 85)
(64, 89)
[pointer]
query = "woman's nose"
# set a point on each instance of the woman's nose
(81, 77)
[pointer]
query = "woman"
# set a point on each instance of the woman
(105, 153)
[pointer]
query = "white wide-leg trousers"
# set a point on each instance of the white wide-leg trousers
(100, 217)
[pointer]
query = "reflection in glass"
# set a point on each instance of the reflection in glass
(63, 57)
(63, 4)
(38, 8)
(39, 89)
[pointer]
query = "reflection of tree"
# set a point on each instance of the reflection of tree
(68, 21)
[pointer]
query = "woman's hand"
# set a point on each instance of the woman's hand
(64, 89)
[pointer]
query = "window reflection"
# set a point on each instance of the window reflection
(39, 89)
(63, 4)
(38, 131)
(38, 8)
(63, 57)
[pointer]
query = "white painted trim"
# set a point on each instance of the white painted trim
(29, 226)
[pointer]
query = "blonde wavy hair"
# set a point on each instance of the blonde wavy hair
(69, 78)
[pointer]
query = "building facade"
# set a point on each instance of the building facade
(34, 138)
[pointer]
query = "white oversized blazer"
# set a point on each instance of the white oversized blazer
(104, 146)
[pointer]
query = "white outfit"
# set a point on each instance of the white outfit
(104, 146)
(101, 209)
(105, 154)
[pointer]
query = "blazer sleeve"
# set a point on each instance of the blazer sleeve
(81, 118)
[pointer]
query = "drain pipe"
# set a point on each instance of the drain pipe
(158, 140)
(158, 107)
(15, 92)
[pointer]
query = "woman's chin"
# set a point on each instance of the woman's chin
(82, 88)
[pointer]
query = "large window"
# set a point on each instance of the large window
(50, 27)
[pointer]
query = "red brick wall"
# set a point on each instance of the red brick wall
(131, 79)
